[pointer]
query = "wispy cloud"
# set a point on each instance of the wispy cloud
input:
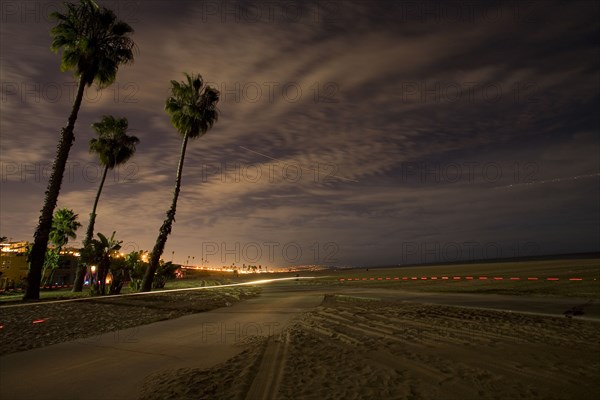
(332, 129)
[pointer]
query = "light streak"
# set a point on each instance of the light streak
(553, 180)
(469, 278)
(258, 282)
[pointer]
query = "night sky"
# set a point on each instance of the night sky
(350, 133)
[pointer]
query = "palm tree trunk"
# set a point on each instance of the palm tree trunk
(42, 280)
(103, 272)
(165, 229)
(90, 230)
(80, 273)
(42, 232)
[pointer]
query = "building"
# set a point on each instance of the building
(14, 266)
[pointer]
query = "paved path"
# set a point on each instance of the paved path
(113, 365)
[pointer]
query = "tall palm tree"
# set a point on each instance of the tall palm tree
(113, 148)
(94, 44)
(192, 107)
(64, 227)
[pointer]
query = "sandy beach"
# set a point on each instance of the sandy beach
(341, 345)
(50, 322)
(350, 348)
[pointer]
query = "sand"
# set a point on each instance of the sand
(46, 323)
(350, 348)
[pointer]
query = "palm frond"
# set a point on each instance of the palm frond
(192, 106)
(93, 41)
(113, 146)
(64, 227)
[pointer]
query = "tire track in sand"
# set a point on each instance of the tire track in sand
(267, 380)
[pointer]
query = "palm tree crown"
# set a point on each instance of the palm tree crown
(64, 226)
(192, 106)
(94, 42)
(113, 146)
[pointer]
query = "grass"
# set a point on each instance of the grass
(588, 270)
(60, 294)
(55, 294)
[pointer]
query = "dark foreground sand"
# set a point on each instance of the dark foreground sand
(58, 322)
(357, 349)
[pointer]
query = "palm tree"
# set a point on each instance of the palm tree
(102, 252)
(64, 227)
(192, 107)
(94, 44)
(113, 148)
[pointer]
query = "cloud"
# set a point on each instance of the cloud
(387, 102)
